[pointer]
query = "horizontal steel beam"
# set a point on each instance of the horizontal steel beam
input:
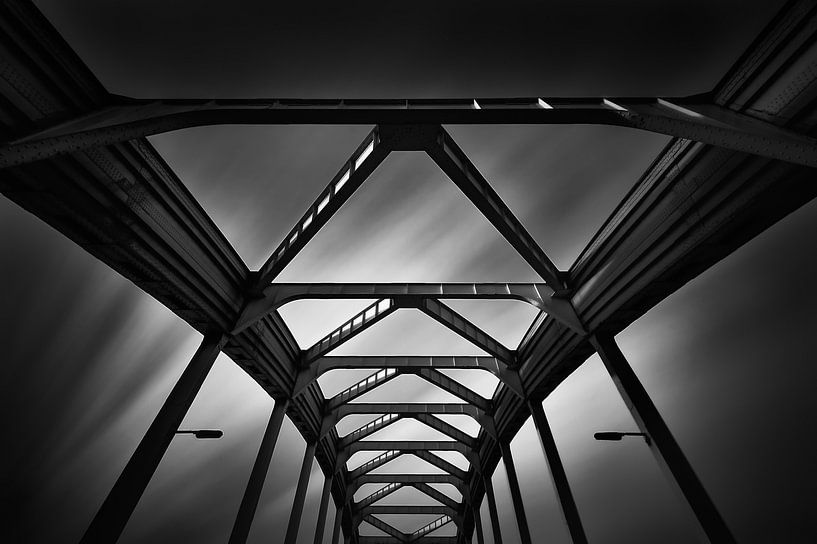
(408, 409)
(406, 479)
(508, 376)
(393, 540)
(694, 118)
(407, 446)
(408, 509)
(454, 321)
(540, 295)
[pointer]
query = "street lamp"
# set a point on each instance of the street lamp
(204, 433)
(619, 435)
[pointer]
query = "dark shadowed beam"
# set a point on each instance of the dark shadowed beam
(252, 493)
(695, 118)
(539, 295)
(558, 476)
(516, 493)
(458, 167)
(445, 315)
(381, 493)
(666, 450)
(118, 506)
(382, 525)
(365, 159)
(455, 388)
(446, 428)
(441, 463)
(437, 495)
(323, 508)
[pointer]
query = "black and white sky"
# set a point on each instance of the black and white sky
(88, 358)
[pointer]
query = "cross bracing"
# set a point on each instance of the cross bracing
(740, 160)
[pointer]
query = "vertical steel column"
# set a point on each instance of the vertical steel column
(114, 513)
(557, 473)
(325, 494)
(516, 493)
(336, 529)
(246, 512)
(663, 445)
(478, 524)
(489, 493)
(300, 495)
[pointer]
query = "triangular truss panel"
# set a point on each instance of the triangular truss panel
(273, 175)
(740, 157)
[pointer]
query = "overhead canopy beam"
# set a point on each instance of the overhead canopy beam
(364, 386)
(540, 295)
(407, 479)
(438, 496)
(369, 429)
(407, 446)
(408, 409)
(433, 526)
(349, 329)
(322, 365)
(411, 410)
(458, 167)
(454, 387)
(445, 315)
(372, 464)
(388, 419)
(696, 118)
(409, 509)
(393, 540)
(366, 158)
(376, 496)
(383, 526)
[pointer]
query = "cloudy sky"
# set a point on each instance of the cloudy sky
(89, 358)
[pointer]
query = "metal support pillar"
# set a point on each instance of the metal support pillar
(516, 493)
(489, 494)
(114, 513)
(300, 495)
(478, 524)
(325, 494)
(246, 512)
(663, 445)
(557, 473)
(336, 528)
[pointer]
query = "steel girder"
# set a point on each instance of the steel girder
(693, 206)
(539, 295)
(698, 118)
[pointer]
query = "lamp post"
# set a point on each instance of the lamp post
(203, 434)
(615, 435)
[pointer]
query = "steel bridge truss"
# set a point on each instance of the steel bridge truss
(741, 158)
